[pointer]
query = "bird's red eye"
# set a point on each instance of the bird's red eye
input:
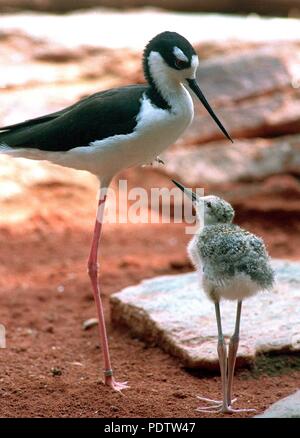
(179, 63)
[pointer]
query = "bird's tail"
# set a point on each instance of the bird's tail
(7, 150)
(20, 152)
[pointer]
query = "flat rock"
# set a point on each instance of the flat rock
(258, 71)
(172, 312)
(255, 94)
(264, 116)
(288, 407)
(220, 162)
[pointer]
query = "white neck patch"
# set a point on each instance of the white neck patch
(179, 54)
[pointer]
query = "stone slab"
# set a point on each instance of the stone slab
(244, 160)
(255, 94)
(174, 313)
(288, 407)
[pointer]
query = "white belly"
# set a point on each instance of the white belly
(238, 287)
(156, 129)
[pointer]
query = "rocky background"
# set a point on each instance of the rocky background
(269, 7)
(250, 73)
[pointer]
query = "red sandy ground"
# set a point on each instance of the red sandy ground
(44, 326)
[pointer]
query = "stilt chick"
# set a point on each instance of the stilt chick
(233, 264)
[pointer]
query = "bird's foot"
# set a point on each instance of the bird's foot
(218, 407)
(214, 405)
(214, 402)
(159, 161)
(109, 380)
(230, 410)
(156, 160)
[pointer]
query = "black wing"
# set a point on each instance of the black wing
(95, 117)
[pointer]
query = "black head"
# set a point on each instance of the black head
(176, 50)
(216, 210)
(169, 57)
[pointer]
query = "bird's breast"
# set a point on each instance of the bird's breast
(155, 130)
(158, 128)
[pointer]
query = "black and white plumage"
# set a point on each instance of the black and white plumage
(93, 118)
(122, 127)
(232, 264)
(116, 129)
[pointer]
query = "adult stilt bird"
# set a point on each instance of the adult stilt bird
(116, 129)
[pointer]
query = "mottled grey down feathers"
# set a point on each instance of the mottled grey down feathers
(227, 250)
(232, 263)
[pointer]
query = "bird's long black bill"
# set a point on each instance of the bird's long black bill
(190, 194)
(196, 89)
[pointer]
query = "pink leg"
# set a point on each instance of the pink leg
(93, 269)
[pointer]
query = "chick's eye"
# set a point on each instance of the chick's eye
(179, 63)
(208, 204)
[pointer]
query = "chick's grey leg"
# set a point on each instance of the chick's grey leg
(156, 160)
(226, 379)
(159, 160)
(222, 354)
(233, 348)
